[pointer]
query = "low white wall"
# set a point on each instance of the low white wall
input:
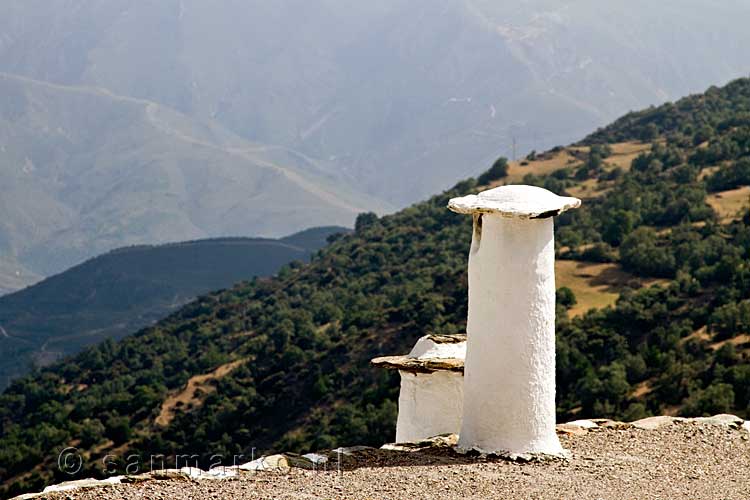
(429, 404)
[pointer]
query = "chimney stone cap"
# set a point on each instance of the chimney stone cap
(432, 353)
(437, 346)
(420, 365)
(514, 200)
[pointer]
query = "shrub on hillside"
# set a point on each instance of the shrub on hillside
(498, 170)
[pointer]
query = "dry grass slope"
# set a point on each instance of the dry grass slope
(191, 396)
(545, 164)
(622, 155)
(730, 204)
(595, 285)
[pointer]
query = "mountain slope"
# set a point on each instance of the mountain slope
(126, 289)
(398, 89)
(137, 123)
(283, 363)
(13, 276)
(84, 171)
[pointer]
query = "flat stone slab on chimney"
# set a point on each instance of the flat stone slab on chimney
(411, 365)
(431, 353)
(523, 202)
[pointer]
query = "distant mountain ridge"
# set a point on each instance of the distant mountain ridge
(146, 122)
(426, 90)
(84, 171)
(128, 288)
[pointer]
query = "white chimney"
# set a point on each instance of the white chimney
(509, 377)
(431, 397)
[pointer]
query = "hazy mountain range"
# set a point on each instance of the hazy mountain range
(84, 171)
(128, 122)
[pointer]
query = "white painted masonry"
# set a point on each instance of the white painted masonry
(431, 399)
(430, 404)
(509, 377)
(427, 348)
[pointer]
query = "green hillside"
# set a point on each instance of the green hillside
(284, 361)
(126, 289)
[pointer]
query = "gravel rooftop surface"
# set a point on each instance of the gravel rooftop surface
(681, 461)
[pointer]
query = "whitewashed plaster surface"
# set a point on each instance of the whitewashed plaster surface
(509, 381)
(426, 348)
(429, 404)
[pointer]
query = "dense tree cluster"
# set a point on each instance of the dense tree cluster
(497, 171)
(693, 120)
